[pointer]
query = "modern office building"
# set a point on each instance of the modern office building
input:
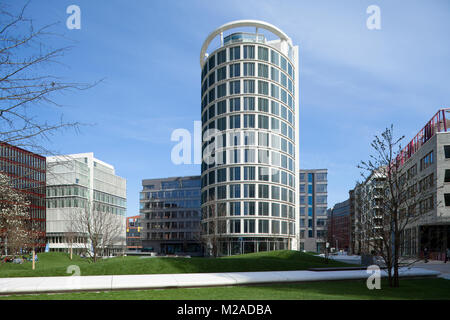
(170, 215)
(425, 164)
(27, 173)
(313, 209)
(339, 226)
(78, 183)
(134, 242)
(249, 110)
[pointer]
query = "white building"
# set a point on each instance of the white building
(250, 99)
(80, 182)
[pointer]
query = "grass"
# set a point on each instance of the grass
(410, 289)
(56, 263)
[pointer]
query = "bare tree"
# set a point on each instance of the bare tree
(102, 230)
(25, 89)
(389, 200)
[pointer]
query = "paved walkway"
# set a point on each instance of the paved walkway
(164, 281)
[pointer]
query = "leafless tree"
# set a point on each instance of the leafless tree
(104, 231)
(389, 200)
(26, 90)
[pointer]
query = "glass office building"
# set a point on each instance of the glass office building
(249, 111)
(170, 215)
(313, 209)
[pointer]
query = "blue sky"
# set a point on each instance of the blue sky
(354, 82)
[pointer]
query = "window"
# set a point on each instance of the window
(235, 87)
(235, 173)
(235, 121)
(275, 126)
(249, 103)
(263, 226)
(249, 190)
(221, 90)
(275, 209)
(249, 69)
(235, 70)
(275, 108)
(447, 199)
(274, 57)
(249, 138)
(249, 86)
(263, 70)
(249, 120)
(263, 156)
(263, 174)
(249, 208)
(275, 74)
(263, 191)
(249, 173)
(447, 176)
(263, 104)
(221, 175)
(263, 122)
(212, 62)
(249, 225)
(447, 152)
(221, 57)
(263, 87)
(212, 78)
(274, 91)
(283, 63)
(249, 155)
(263, 139)
(221, 73)
(426, 161)
(263, 54)
(221, 192)
(235, 226)
(235, 191)
(249, 52)
(235, 104)
(275, 193)
(221, 106)
(275, 175)
(263, 208)
(235, 53)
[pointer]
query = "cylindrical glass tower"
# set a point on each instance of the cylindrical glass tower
(250, 129)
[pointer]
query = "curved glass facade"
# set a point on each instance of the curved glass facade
(248, 128)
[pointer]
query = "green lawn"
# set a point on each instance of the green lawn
(55, 264)
(433, 288)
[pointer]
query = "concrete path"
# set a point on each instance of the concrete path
(165, 281)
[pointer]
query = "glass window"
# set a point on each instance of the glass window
(283, 63)
(275, 74)
(235, 87)
(249, 120)
(249, 155)
(275, 209)
(275, 126)
(222, 123)
(249, 225)
(263, 191)
(249, 138)
(263, 226)
(249, 190)
(235, 121)
(263, 174)
(249, 69)
(249, 208)
(249, 103)
(274, 57)
(221, 73)
(235, 70)
(221, 57)
(263, 104)
(263, 54)
(263, 156)
(235, 173)
(249, 86)
(235, 190)
(221, 175)
(263, 70)
(221, 90)
(235, 104)
(235, 53)
(263, 122)
(249, 173)
(275, 108)
(263, 87)
(263, 208)
(221, 107)
(249, 52)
